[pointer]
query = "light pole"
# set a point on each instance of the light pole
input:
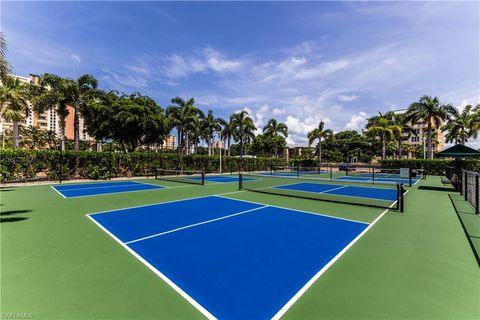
(221, 145)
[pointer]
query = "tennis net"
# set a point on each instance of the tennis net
(182, 176)
(382, 195)
(407, 176)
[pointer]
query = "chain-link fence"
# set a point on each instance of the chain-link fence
(470, 188)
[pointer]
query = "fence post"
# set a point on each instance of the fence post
(476, 194)
(465, 186)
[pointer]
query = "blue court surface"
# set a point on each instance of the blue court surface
(99, 188)
(382, 179)
(343, 190)
(231, 259)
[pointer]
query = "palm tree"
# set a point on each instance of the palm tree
(55, 92)
(431, 111)
(243, 129)
(399, 119)
(275, 129)
(209, 126)
(50, 138)
(4, 65)
(319, 133)
(381, 127)
(183, 114)
(85, 90)
(14, 104)
(227, 133)
(32, 136)
(461, 125)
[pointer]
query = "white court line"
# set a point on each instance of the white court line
(196, 224)
(199, 307)
(192, 301)
(171, 201)
(326, 191)
(114, 192)
(291, 209)
(58, 192)
(129, 184)
(297, 296)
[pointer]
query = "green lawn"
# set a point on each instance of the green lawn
(57, 264)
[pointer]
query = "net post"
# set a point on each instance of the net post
(401, 197)
(331, 172)
(298, 171)
(476, 194)
(409, 177)
(203, 178)
(373, 172)
(240, 181)
(156, 173)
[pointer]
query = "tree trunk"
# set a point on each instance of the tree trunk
(319, 152)
(384, 149)
(429, 139)
(229, 144)
(76, 130)
(187, 143)
(99, 146)
(62, 133)
(16, 138)
(400, 151)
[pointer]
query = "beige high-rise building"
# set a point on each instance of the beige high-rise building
(48, 120)
(420, 135)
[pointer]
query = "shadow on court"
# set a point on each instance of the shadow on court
(11, 212)
(14, 219)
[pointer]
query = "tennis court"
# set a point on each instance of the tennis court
(232, 259)
(101, 188)
(279, 247)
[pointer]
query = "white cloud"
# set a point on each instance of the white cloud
(347, 98)
(200, 61)
(357, 121)
(75, 57)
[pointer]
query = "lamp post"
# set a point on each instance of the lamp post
(220, 149)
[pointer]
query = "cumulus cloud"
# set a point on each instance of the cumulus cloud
(357, 121)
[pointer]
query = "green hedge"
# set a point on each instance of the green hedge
(30, 165)
(433, 167)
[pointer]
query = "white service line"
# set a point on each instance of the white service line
(103, 187)
(196, 224)
(326, 191)
(178, 200)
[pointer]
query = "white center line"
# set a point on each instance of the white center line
(334, 189)
(196, 224)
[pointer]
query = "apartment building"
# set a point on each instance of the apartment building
(48, 120)
(420, 136)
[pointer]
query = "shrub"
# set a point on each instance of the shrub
(29, 165)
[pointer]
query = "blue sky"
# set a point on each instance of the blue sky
(301, 63)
